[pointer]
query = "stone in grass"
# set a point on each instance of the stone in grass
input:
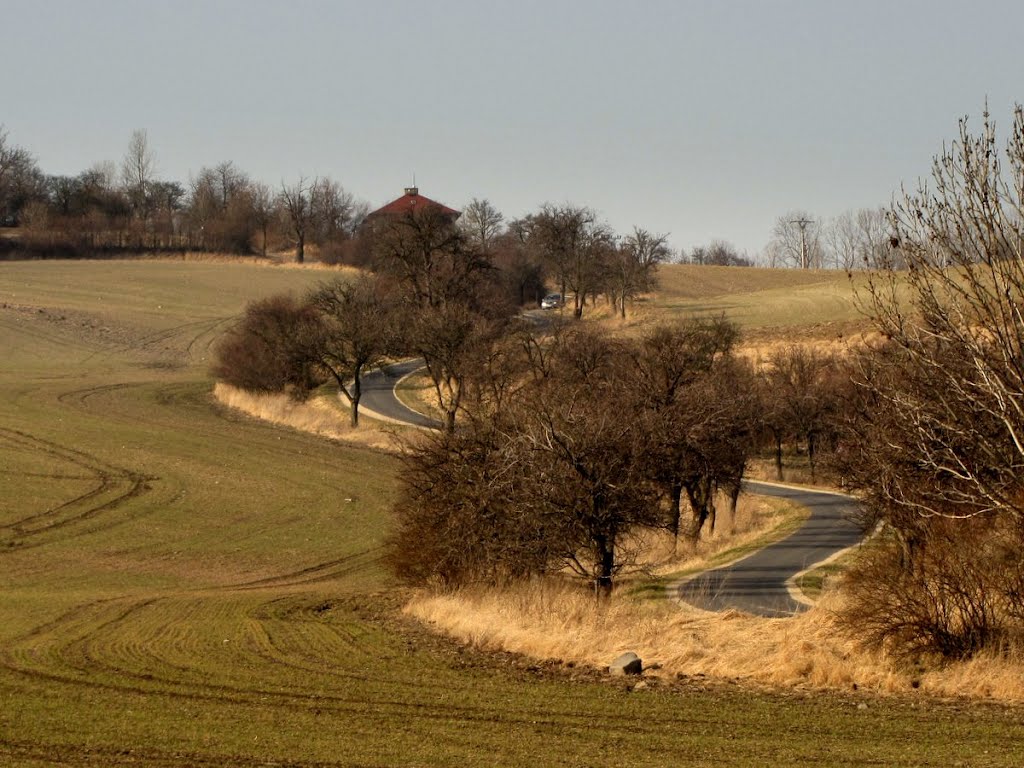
(626, 664)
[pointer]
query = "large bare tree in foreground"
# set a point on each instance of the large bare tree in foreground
(940, 443)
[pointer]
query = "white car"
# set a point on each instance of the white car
(551, 301)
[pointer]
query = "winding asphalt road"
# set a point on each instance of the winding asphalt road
(380, 402)
(757, 584)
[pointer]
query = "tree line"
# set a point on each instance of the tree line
(127, 206)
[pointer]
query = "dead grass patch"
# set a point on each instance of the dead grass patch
(321, 415)
(553, 620)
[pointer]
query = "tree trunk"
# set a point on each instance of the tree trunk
(300, 250)
(701, 503)
(810, 452)
(606, 550)
(778, 458)
(357, 393)
(734, 497)
(675, 500)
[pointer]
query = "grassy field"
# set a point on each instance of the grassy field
(759, 299)
(182, 585)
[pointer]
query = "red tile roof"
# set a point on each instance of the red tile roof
(412, 201)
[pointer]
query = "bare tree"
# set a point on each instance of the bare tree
(520, 271)
(859, 238)
(18, 177)
(576, 246)
(431, 258)
(451, 338)
(941, 446)
(586, 452)
(801, 399)
(963, 244)
(632, 269)
(796, 241)
(696, 420)
(482, 223)
(221, 209)
(297, 206)
(717, 253)
(262, 201)
(356, 333)
(332, 208)
(138, 171)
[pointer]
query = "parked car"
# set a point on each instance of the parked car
(552, 301)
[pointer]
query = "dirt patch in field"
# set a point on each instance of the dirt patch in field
(85, 328)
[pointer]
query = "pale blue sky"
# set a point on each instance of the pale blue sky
(701, 119)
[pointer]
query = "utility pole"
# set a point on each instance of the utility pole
(802, 223)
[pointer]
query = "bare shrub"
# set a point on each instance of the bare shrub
(462, 517)
(270, 348)
(960, 595)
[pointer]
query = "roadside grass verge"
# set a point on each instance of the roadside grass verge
(325, 414)
(817, 581)
(416, 391)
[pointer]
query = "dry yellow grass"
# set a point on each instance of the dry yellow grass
(553, 620)
(319, 416)
(280, 260)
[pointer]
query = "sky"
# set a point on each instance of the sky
(702, 120)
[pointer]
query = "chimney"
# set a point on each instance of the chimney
(412, 191)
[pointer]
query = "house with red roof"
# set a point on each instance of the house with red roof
(411, 203)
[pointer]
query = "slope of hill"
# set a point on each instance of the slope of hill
(185, 586)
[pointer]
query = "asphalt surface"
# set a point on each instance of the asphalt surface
(756, 584)
(379, 400)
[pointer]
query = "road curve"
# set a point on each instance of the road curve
(757, 584)
(380, 402)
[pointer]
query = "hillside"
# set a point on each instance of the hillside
(183, 585)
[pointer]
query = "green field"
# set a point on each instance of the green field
(819, 301)
(181, 585)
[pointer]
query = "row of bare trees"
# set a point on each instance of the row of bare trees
(855, 239)
(570, 448)
(568, 245)
(127, 205)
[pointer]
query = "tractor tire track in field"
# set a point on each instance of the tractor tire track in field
(297, 683)
(318, 573)
(180, 339)
(191, 331)
(81, 756)
(113, 487)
